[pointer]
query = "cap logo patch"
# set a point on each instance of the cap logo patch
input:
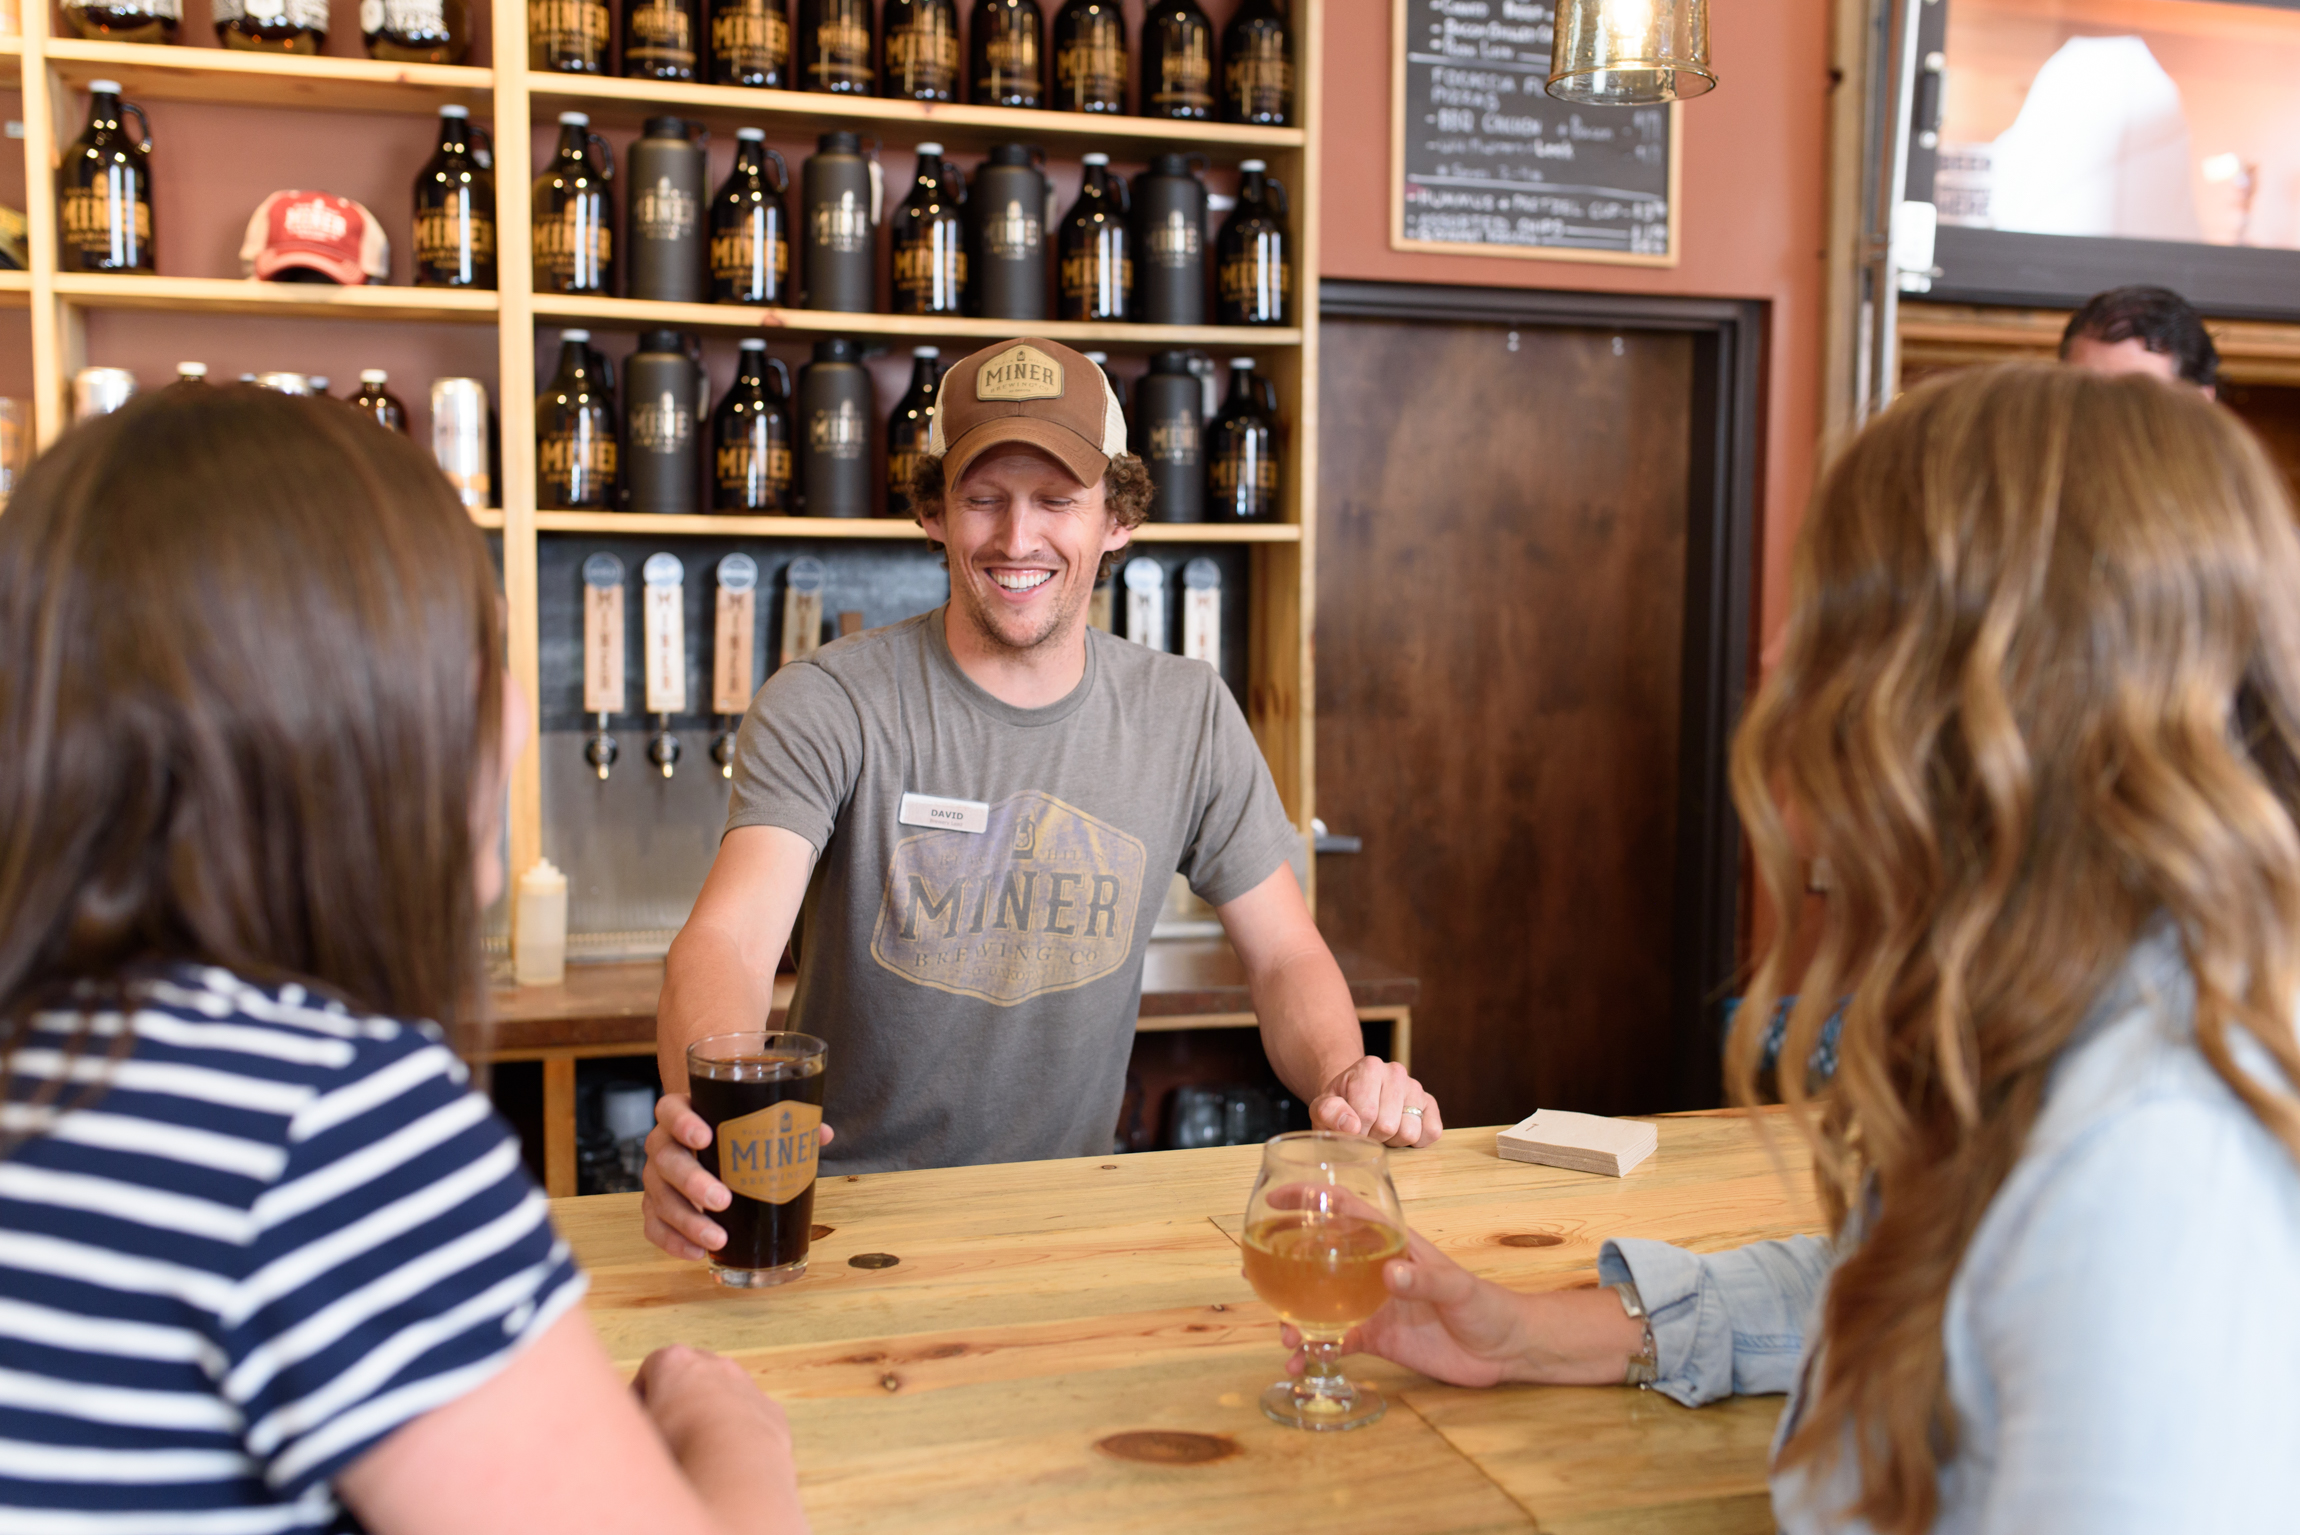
(1020, 372)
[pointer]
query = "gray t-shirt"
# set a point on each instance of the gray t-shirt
(979, 989)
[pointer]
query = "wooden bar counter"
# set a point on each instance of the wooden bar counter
(1068, 1346)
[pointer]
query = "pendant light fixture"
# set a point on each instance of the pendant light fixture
(1631, 53)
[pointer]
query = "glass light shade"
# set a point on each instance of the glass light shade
(1630, 53)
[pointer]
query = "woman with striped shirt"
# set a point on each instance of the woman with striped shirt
(267, 1263)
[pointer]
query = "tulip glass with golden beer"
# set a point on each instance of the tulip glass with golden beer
(1322, 1221)
(762, 1096)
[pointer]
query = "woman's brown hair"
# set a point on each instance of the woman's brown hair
(252, 681)
(2041, 688)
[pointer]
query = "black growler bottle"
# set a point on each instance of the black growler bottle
(835, 47)
(1170, 242)
(104, 189)
(1089, 50)
(575, 448)
(750, 43)
(920, 57)
(1177, 62)
(750, 232)
(929, 240)
(1253, 256)
(416, 31)
(454, 232)
(271, 26)
(1258, 66)
(907, 429)
(1094, 268)
(574, 223)
(663, 39)
(1242, 453)
(378, 403)
(751, 436)
(1006, 218)
(832, 423)
(662, 426)
(1167, 431)
(123, 21)
(1006, 54)
(569, 37)
(838, 258)
(663, 258)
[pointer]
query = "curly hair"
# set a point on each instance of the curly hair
(1126, 494)
(2041, 684)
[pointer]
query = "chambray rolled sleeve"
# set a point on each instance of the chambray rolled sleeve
(1724, 1324)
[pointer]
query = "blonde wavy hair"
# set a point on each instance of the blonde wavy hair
(2041, 684)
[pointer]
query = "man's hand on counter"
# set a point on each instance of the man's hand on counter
(679, 1190)
(1375, 1098)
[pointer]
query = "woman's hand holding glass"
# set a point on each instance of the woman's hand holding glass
(1452, 1326)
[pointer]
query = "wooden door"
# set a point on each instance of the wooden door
(1502, 578)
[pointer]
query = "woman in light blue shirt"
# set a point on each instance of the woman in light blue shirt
(2039, 708)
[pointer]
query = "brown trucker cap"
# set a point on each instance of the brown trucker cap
(1029, 391)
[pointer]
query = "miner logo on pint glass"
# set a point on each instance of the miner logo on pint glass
(770, 1155)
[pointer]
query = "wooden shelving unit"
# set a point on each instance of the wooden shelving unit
(518, 106)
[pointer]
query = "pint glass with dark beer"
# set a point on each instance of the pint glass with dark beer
(762, 1096)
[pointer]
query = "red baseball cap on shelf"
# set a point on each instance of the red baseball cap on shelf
(318, 231)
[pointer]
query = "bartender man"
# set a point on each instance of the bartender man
(971, 819)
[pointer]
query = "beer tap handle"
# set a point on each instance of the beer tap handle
(603, 695)
(663, 750)
(601, 751)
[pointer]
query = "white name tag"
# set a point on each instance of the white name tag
(944, 814)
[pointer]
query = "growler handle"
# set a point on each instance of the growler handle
(1275, 190)
(142, 122)
(782, 171)
(957, 180)
(606, 154)
(1197, 162)
(482, 145)
(1125, 194)
(782, 370)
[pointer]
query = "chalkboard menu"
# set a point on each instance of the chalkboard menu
(1486, 162)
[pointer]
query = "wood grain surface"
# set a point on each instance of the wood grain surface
(1501, 599)
(1069, 1345)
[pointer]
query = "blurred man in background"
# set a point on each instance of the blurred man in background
(2142, 330)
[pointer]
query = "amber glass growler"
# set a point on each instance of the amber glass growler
(750, 43)
(455, 209)
(1089, 57)
(1258, 66)
(104, 189)
(123, 21)
(569, 37)
(416, 31)
(1177, 62)
(271, 26)
(920, 56)
(1006, 51)
(1253, 256)
(835, 48)
(574, 214)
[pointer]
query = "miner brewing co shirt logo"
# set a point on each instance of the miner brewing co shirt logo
(1043, 900)
(769, 1154)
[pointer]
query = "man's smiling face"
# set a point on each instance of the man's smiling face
(1025, 541)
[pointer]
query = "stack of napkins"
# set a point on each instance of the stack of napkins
(1586, 1143)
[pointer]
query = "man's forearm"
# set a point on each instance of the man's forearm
(709, 987)
(1309, 1029)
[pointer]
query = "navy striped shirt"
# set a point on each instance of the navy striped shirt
(280, 1231)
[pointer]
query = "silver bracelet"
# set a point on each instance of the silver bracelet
(1644, 1365)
